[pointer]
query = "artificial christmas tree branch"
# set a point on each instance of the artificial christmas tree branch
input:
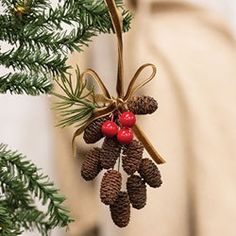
(21, 83)
(38, 47)
(39, 42)
(21, 181)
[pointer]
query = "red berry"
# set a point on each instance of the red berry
(109, 128)
(125, 136)
(127, 119)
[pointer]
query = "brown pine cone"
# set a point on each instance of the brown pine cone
(132, 156)
(150, 173)
(91, 165)
(142, 105)
(137, 191)
(120, 210)
(93, 132)
(110, 153)
(110, 186)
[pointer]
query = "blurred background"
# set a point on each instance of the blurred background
(193, 45)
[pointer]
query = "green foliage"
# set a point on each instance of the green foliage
(41, 37)
(77, 103)
(7, 225)
(21, 183)
(19, 83)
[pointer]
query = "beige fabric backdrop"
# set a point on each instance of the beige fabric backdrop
(194, 128)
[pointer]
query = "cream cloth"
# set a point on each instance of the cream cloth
(194, 128)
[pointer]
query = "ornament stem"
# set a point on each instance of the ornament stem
(148, 146)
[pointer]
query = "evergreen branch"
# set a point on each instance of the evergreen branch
(8, 29)
(56, 41)
(21, 83)
(41, 45)
(38, 61)
(39, 5)
(39, 36)
(37, 185)
(14, 190)
(6, 4)
(31, 218)
(91, 13)
(20, 203)
(77, 104)
(7, 225)
(90, 17)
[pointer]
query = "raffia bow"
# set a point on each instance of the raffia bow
(120, 102)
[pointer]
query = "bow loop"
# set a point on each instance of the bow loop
(98, 80)
(133, 86)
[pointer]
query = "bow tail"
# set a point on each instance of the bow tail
(147, 145)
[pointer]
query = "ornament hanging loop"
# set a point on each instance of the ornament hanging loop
(117, 22)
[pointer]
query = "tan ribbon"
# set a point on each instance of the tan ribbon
(120, 102)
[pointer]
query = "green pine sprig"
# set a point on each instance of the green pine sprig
(21, 183)
(37, 61)
(7, 225)
(22, 83)
(76, 104)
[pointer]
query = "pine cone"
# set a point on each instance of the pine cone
(142, 105)
(120, 210)
(91, 165)
(110, 186)
(110, 153)
(132, 157)
(137, 191)
(150, 173)
(93, 132)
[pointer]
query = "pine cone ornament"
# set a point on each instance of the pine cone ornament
(91, 165)
(110, 153)
(110, 187)
(120, 210)
(93, 133)
(150, 173)
(132, 156)
(137, 191)
(142, 105)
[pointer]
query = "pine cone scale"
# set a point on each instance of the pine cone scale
(110, 153)
(91, 165)
(137, 191)
(120, 210)
(142, 105)
(93, 133)
(110, 187)
(132, 156)
(150, 173)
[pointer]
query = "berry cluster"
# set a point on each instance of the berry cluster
(123, 132)
(119, 144)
